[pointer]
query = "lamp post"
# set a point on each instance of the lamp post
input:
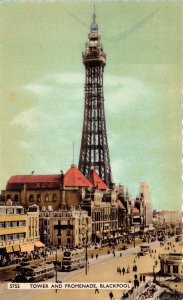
(86, 253)
(86, 248)
(148, 237)
(134, 236)
(56, 259)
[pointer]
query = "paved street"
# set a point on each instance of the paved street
(103, 269)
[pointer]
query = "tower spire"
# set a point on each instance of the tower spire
(94, 26)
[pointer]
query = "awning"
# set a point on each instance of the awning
(9, 249)
(27, 247)
(39, 244)
(16, 248)
(99, 235)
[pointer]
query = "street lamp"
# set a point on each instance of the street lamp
(56, 259)
(134, 236)
(86, 249)
(148, 235)
(86, 253)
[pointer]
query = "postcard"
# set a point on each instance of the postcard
(90, 204)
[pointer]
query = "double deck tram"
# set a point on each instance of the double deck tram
(35, 273)
(73, 259)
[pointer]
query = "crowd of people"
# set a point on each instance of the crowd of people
(13, 258)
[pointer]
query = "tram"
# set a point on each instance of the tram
(73, 259)
(35, 273)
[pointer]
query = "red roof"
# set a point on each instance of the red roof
(33, 181)
(120, 205)
(96, 181)
(135, 210)
(74, 178)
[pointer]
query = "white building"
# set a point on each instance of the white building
(146, 196)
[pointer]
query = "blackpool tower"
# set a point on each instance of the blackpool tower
(94, 152)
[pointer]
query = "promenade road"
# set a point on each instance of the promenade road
(103, 269)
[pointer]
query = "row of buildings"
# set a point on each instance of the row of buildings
(71, 208)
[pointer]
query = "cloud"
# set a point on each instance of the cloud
(30, 119)
(67, 78)
(38, 89)
(122, 92)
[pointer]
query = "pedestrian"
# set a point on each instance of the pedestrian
(114, 254)
(128, 270)
(96, 256)
(135, 283)
(111, 295)
(123, 270)
(120, 271)
(144, 278)
(96, 291)
(91, 255)
(120, 254)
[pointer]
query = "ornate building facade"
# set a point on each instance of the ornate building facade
(69, 228)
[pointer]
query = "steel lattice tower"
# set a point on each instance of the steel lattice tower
(94, 152)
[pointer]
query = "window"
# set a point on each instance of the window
(68, 241)
(46, 197)
(31, 198)
(54, 198)
(16, 198)
(175, 269)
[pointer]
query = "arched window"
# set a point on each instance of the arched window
(46, 197)
(16, 198)
(38, 198)
(31, 198)
(54, 198)
(68, 241)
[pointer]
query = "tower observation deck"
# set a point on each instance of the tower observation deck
(94, 152)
